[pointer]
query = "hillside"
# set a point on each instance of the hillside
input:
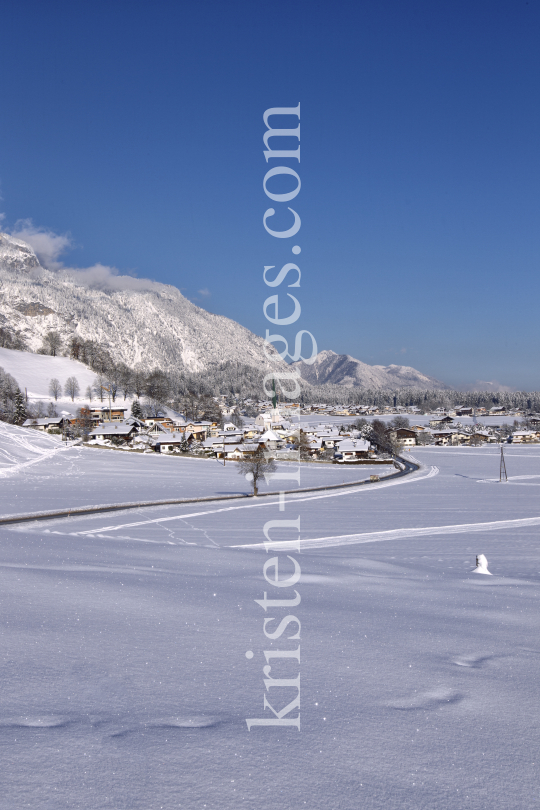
(152, 325)
(35, 371)
(342, 369)
(140, 322)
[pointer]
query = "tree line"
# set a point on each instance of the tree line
(238, 382)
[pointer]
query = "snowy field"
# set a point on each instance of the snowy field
(37, 472)
(35, 371)
(125, 683)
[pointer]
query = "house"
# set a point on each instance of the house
(172, 441)
(329, 438)
(405, 436)
(440, 421)
(270, 440)
(252, 431)
(463, 411)
(200, 430)
(460, 437)
(211, 443)
(113, 414)
(524, 437)
(231, 435)
(155, 428)
(242, 451)
(352, 449)
(443, 437)
(45, 423)
(164, 421)
(114, 431)
(482, 436)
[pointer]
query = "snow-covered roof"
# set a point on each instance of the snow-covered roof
(348, 445)
(173, 438)
(269, 436)
(49, 420)
(116, 428)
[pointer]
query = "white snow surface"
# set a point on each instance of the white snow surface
(125, 682)
(35, 371)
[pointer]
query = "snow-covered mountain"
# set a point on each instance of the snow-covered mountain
(342, 369)
(151, 324)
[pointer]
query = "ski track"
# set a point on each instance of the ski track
(24, 443)
(409, 479)
(397, 534)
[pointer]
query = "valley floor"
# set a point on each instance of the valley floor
(125, 682)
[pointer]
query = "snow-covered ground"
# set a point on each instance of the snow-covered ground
(38, 472)
(125, 682)
(35, 371)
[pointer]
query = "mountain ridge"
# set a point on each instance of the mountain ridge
(155, 326)
(342, 369)
(152, 325)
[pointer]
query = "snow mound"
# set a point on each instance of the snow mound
(482, 565)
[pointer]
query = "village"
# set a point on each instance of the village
(288, 431)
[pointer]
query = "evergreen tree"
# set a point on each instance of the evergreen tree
(20, 411)
(136, 409)
(184, 445)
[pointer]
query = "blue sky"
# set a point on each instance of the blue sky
(136, 128)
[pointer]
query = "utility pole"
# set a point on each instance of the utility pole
(502, 469)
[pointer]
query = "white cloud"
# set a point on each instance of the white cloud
(49, 246)
(103, 277)
(204, 292)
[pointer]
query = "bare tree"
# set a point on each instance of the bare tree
(89, 393)
(399, 422)
(255, 468)
(55, 389)
(84, 422)
(52, 343)
(112, 377)
(125, 381)
(139, 381)
(72, 388)
(157, 386)
(424, 437)
(100, 386)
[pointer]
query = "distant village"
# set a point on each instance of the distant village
(289, 430)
